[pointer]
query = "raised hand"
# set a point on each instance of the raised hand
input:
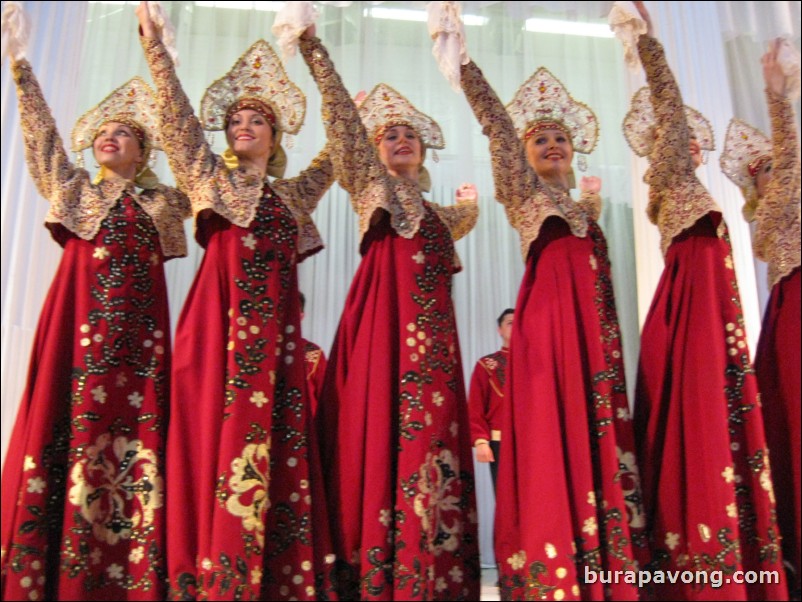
(590, 184)
(645, 16)
(309, 32)
(772, 70)
(466, 193)
(360, 97)
(146, 24)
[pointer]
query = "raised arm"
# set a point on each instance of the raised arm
(784, 138)
(189, 154)
(356, 162)
(514, 179)
(590, 198)
(460, 218)
(670, 156)
(777, 216)
(309, 186)
(56, 178)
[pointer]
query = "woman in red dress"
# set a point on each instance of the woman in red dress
(768, 173)
(567, 499)
(83, 482)
(246, 498)
(706, 478)
(397, 445)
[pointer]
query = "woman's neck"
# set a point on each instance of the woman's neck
(112, 173)
(559, 181)
(412, 174)
(254, 165)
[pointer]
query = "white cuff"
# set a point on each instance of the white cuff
(628, 26)
(448, 32)
(15, 31)
(291, 21)
(162, 21)
(789, 60)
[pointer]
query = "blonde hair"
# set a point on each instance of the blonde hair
(751, 203)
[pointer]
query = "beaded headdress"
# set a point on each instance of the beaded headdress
(542, 102)
(746, 149)
(132, 104)
(258, 77)
(639, 125)
(384, 108)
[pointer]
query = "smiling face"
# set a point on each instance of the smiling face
(250, 135)
(400, 149)
(550, 152)
(117, 148)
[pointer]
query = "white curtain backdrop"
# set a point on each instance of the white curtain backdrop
(80, 51)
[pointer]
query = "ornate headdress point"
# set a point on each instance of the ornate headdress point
(384, 107)
(133, 104)
(639, 125)
(258, 75)
(543, 99)
(745, 149)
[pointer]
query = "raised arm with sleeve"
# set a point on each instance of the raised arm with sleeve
(677, 199)
(527, 200)
(777, 232)
(75, 202)
(204, 176)
(358, 167)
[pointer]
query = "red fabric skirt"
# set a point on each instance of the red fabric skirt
(393, 410)
(778, 375)
(245, 487)
(83, 485)
(567, 501)
(706, 479)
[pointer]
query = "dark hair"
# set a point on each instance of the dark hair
(507, 311)
(303, 300)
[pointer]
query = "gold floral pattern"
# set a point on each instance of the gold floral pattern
(249, 484)
(117, 487)
(436, 503)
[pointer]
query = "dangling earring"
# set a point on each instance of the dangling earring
(288, 141)
(79, 159)
(704, 157)
(435, 157)
(151, 161)
(582, 163)
(210, 138)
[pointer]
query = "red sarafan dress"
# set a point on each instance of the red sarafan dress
(777, 361)
(247, 514)
(706, 478)
(397, 449)
(567, 497)
(83, 514)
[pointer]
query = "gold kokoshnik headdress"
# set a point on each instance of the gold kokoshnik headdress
(385, 107)
(132, 104)
(746, 151)
(259, 82)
